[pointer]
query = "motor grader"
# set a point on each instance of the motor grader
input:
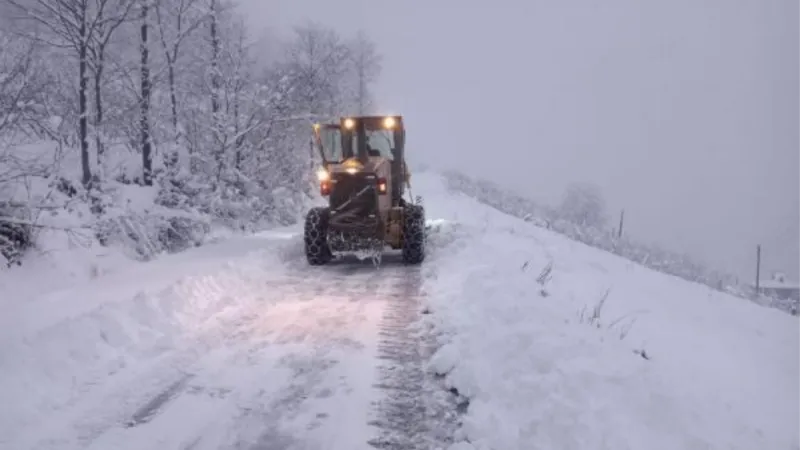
(364, 178)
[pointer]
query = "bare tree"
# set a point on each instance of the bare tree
(318, 61)
(241, 102)
(244, 112)
(79, 25)
(218, 134)
(146, 142)
(23, 119)
(23, 88)
(366, 64)
(105, 28)
(184, 16)
(23, 83)
(215, 75)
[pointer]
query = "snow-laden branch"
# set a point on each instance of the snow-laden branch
(28, 223)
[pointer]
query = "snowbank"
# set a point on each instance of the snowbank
(599, 352)
(68, 350)
(47, 216)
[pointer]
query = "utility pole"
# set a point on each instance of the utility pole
(621, 219)
(758, 269)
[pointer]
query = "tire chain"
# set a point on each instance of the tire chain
(315, 237)
(414, 233)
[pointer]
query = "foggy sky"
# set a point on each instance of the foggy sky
(685, 112)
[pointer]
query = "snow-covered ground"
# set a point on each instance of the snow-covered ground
(238, 344)
(212, 348)
(658, 364)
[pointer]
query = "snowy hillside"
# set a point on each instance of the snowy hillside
(598, 351)
(651, 256)
(240, 344)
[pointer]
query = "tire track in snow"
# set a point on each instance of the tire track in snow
(349, 281)
(416, 412)
(325, 308)
(270, 416)
(151, 408)
(135, 397)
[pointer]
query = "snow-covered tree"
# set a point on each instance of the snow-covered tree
(84, 28)
(178, 22)
(144, 114)
(24, 81)
(317, 60)
(365, 64)
(169, 93)
(583, 204)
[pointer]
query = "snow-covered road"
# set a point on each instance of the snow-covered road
(247, 347)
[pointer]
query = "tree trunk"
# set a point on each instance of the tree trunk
(362, 93)
(215, 88)
(171, 53)
(171, 157)
(173, 98)
(214, 62)
(147, 155)
(98, 113)
(82, 102)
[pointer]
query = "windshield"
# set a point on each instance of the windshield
(379, 143)
(331, 142)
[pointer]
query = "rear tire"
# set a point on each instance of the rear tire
(316, 236)
(413, 234)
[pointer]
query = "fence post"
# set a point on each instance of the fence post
(758, 270)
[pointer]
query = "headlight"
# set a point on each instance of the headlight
(323, 175)
(389, 122)
(349, 123)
